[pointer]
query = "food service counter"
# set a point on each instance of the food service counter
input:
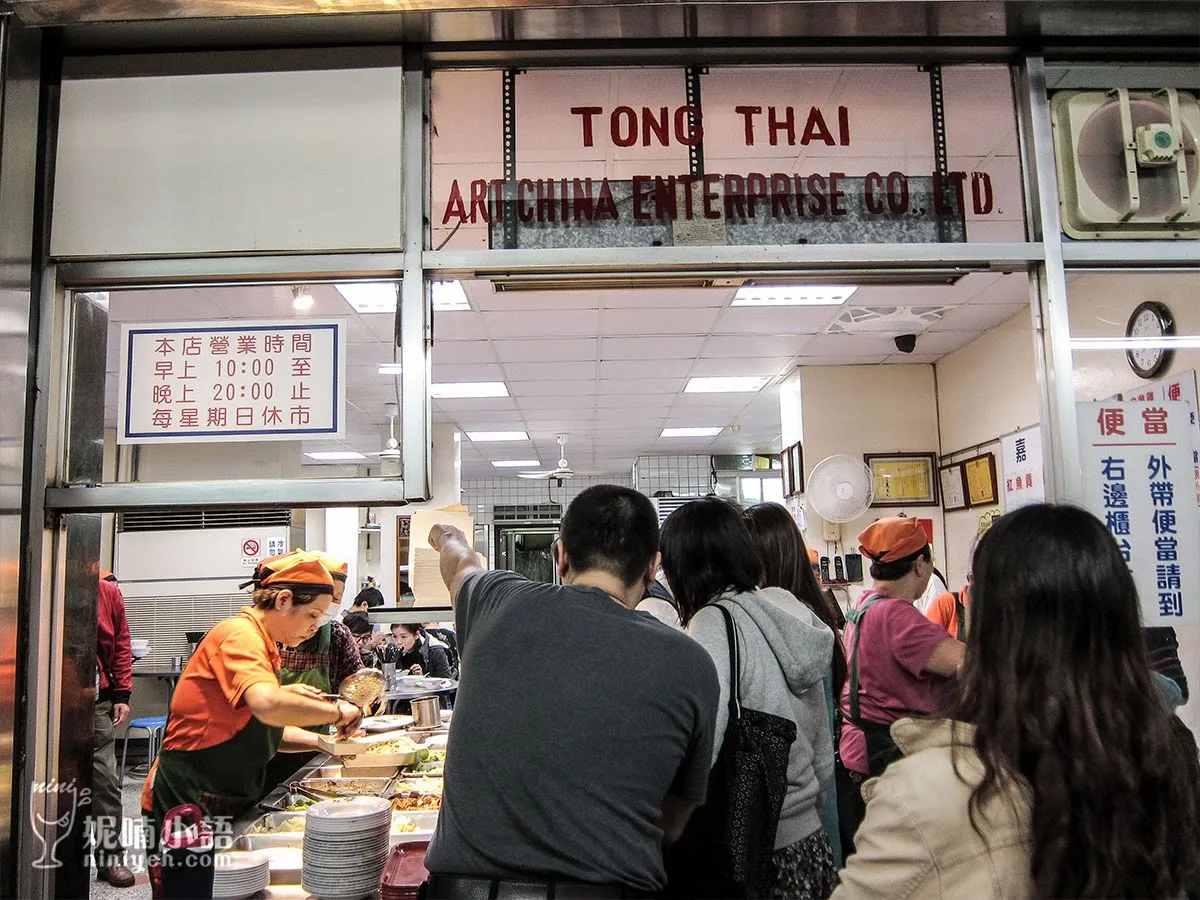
(275, 828)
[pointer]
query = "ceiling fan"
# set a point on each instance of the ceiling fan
(390, 456)
(563, 470)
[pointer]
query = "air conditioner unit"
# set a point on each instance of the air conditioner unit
(1127, 163)
(664, 506)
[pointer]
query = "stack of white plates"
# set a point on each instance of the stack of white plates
(240, 873)
(346, 847)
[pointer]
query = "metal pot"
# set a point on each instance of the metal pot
(427, 712)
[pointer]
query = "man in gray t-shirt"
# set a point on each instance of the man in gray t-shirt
(583, 729)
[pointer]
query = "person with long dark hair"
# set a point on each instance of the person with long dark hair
(1056, 773)
(709, 558)
(785, 564)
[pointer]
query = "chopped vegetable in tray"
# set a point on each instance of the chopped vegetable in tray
(300, 803)
(348, 787)
(290, 825)
(403, 825)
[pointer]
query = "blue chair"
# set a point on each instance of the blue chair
(154, 726)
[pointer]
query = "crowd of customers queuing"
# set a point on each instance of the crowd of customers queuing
(1012, 742)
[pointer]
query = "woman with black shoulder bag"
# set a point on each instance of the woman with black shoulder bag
(760, 834)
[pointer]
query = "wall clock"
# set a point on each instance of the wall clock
(1149, 320)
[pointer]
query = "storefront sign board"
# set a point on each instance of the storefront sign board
(1138, 479)
(241, 381)
(1021, 456)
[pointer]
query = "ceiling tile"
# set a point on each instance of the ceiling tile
(718, 347)
(772, 320)
(625, 401)
(850, 345)
(450, 372)
(478, 403)
(546, 324)
(692, 298)
(645, 368)
(463, 352)
(744, 365)
(551, 371)
(656, 321)
(978, 317)
(650, 348)
(832, 360)
(459, 326)
(640, 386)
(548, 350)
(531, 403)
(555, 388)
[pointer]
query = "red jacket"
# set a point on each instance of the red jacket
(114, 662)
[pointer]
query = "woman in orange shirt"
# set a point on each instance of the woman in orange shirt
(230, 715)
(950, 611)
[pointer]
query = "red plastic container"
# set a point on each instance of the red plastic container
(405, 872)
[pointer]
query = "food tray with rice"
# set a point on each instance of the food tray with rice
(372, 751)
(274, 830)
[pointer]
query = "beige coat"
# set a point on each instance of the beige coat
(917, 840)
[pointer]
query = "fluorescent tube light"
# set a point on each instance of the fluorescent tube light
(449, 296)
(460, 390)
(723, 385)
(515, 463)
(390, 369)
(369, 296)
(1167, 342)
(334, 455)
(704, 431)
(480, 436)
(794, 294)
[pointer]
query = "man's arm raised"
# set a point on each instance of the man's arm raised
(458, 559)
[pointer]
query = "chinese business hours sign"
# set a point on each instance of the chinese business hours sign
(1138, 478)
(236, 381)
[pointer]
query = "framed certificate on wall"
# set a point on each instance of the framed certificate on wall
(980, 473)
(791, 461)
(903, 479)
(953, 480)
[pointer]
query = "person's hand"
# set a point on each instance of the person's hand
(306, 690)
(349, 718)
(378, 640)
(415, 669)
(440, 532)
(120, 712)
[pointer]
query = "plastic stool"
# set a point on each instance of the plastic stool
(154, 726)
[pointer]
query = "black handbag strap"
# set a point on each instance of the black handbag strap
(735, 687)
(855, 617)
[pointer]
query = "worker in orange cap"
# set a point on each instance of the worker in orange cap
(230, 715)
(900, 662)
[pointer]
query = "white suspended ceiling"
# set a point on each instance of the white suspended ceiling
(606, 367)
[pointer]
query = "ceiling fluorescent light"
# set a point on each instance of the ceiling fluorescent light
(302, 298)
(449, 296)
(461, 390)
(481, 436)
(390, 369)
(794, 294)
(1169, 342)
(369, 296)
(723, 385)
(515, 463)
(334, 455)
(705, 431)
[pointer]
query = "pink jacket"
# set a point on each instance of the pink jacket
(114, 662)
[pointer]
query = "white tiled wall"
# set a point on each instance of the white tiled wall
(685, 476)
(482, 495)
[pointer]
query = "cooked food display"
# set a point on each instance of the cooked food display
(299, 803)
(290, 825)
(422, 785)
(403, 825)
(431, 761)
(345, 787)
(407, 802)
(395, 745)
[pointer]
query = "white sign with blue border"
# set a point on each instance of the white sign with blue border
(197, 382)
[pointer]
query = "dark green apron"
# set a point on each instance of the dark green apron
(960, 610)
(881, 749)
(318, 675)
(223, 780)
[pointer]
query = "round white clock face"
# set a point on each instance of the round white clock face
(1147, 324)
(1151, 321)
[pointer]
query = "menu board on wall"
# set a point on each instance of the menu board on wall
(1137, 478)
(1021, 458)
(237, 381)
